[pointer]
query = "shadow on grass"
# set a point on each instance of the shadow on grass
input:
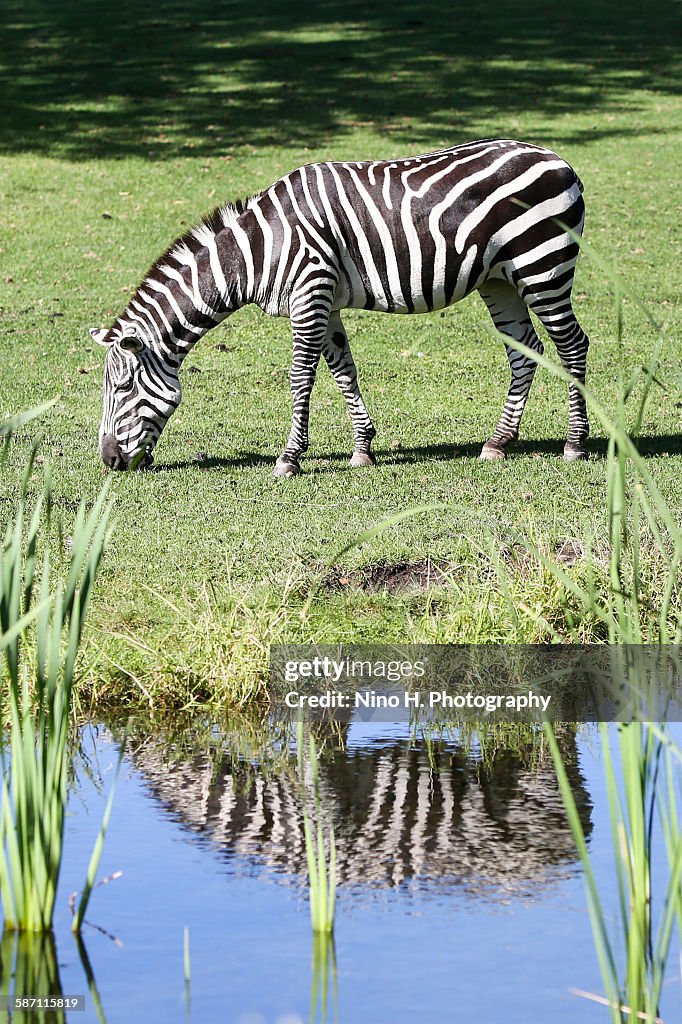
(659, 445)
(93, 79)
(242, 460)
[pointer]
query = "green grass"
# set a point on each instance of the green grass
(649, 770)
(41, 628)
(153, 124)
(321, 866)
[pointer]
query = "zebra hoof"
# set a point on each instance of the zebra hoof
(147, 461)
(286, 469)
(491, 453)
(362, 459)
(573, 454)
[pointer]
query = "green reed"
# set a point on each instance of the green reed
(321, 868)
(324, 972)
(41, 624)
(637, 514)
(633, 980)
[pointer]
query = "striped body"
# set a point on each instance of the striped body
(401, 236)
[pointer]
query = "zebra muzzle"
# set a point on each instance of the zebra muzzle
(112, 455)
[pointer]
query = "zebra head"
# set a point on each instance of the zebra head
(141, 391)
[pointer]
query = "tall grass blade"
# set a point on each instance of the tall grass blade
(40, 639)
(635, 979)
(13, 423)
(321, 874)
(186, 958)
(605, 953)
(96, 854)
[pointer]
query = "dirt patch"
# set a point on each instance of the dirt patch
(398, 578)
(569, 551)
(566, 552)
(417, 577)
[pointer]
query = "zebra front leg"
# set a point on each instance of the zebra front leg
(306, 357)
(339, 359)
(509, 313)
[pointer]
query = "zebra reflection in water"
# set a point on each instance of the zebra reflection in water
(404, 812)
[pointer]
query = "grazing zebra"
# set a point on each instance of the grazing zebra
(398, 236)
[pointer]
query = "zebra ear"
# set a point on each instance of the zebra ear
(98, 334)
(130, 342)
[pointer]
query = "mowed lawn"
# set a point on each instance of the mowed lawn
(121, 127)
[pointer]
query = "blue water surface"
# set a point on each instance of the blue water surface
(425, 949)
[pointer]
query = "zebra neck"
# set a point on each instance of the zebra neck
(233, 271)
(196, 285)
(176, 308)
(176, 353)
(174, 323)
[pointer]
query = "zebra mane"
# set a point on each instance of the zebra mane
(221, 217)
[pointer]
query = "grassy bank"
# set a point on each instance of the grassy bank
(115, 139)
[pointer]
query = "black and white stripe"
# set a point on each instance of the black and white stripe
(401, 236)
(400, 812)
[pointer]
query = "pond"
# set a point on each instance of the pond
(460, 894)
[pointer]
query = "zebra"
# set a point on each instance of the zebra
(400, 810)
(412, 235)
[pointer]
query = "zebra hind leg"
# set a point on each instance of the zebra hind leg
(339, 359)
(557, 317)
(510, 315)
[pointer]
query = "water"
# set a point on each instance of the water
(461, 897)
